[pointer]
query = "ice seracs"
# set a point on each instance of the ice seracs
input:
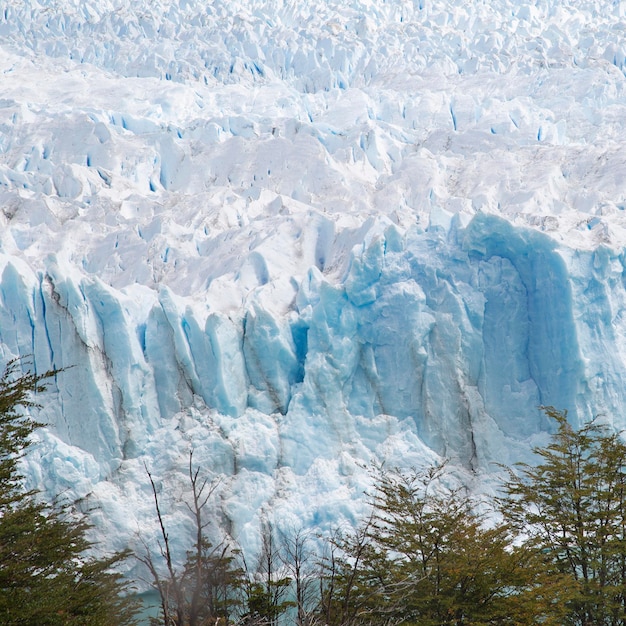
(296, 239)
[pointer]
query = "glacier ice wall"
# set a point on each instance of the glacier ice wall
(436, 342)
(299, 239)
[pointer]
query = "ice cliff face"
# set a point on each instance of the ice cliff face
(296, 239)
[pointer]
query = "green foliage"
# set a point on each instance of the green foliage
(46, 579)
(573, 507)
(426, 557)
(267, 589)
(265, 603)
(16, 426)
(351, 589)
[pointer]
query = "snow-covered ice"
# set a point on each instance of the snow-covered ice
(298, 237)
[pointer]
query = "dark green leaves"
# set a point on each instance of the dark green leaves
(572, 506)
(46, 579)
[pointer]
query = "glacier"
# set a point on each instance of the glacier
(298, 240)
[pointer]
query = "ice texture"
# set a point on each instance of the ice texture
(297, 238)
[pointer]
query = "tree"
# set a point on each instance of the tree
(208, 589)
(267, 589)
(350, 590)
(299, 559)
(572, 506)
(426, 557)
(46, 577)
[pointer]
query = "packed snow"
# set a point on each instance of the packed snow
(297, 238)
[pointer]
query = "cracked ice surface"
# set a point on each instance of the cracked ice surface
(300, 238)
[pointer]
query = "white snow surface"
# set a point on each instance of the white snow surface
(301, 237)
